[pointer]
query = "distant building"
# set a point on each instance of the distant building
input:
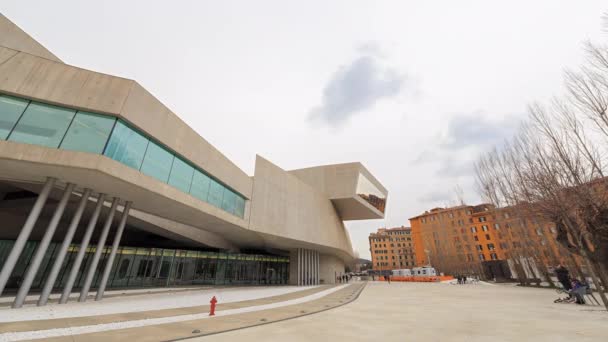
(482, 240)
(392, 249)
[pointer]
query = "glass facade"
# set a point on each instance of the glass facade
(88, 133)
(141, 267)
(181, 175)
(11, 109)
(37, 123)
(200, 186)
(157, 162)
(127, 146)
(42, 124)
(370, 193)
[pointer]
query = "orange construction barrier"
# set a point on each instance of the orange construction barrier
(427, 279)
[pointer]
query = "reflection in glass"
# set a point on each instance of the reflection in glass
(126, 146)
(43, 125)
(52, 126)
(370, 193)
(229, 201)
(11, 109)
(88, 133)
(216, 192)
(181, 175)
(200, 186)
(157, 162)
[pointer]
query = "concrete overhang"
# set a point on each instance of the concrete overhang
(353, 190)
(155, 202)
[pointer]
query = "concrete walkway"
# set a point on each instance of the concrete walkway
(439, 312)
(168, 324)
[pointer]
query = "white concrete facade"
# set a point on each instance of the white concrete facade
(286, 211)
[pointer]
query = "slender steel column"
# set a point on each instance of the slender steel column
(303, 267)
(100, 245)
(13, 256)
(316, 268)
(32, 269)
(310, 267)
(299, 266)
(115, 243)
(63, 250)
(65, 295)
(306, 267)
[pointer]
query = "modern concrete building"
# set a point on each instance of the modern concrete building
(101, 185)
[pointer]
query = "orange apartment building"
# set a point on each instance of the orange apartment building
(483, 241)
(392, 249)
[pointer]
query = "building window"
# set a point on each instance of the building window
(494, 256)
(487, 236)
(229, 200)
(52, 126)
(491, 246)
(157, 162)
(496, 226)
(42, 124)
(479, 247)
(126, 146)
(88, 133)
(473, 229)
(482, 257)
(200, 185)
(482, 219)
(484, 228)
(476, 238)
(216, 192)
(11, 109)
(181, 175)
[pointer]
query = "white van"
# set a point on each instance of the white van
(402, 273)
(424, 272)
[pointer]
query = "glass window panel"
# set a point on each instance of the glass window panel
(240, 206)
(42, 124)
(126, 146)
(370, 193)
(216, 191)
(11, 109)
(200, 185)
(181, 175)
(88, 133)
(157, 162)
(229, 201)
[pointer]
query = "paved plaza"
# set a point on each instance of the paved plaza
(439, 312)
(354, 312)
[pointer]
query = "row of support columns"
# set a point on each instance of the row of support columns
(308, 267)
(42, 247)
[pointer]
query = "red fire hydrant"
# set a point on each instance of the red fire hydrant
(212, 310)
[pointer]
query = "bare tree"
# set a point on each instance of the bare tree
(551, 170)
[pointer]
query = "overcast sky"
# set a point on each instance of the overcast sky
(412, 89)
